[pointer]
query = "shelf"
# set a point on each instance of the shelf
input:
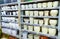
(9, 28)
(11, 35)
(42, 8)
(48, 26)
(36, 1)
(33, 32)
(14, 3)
(9, 10)
(8, 22)
(9, 16)
(40, 16)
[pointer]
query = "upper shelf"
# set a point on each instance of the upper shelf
(42, 8)
(9, 4)
(36, 1)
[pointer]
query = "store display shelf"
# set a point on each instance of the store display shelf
(9, 10)
(11, 35)
(40, 33)
(48, 26)
(8, 22)
(14, 3)
(27, 2)
(9, 28)
(53, 8)
(40, 16)
(9, 16)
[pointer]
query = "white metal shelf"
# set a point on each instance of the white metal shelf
(40, 33)
(14, 3)
(42, 8)
(48, 26)
(40, 16)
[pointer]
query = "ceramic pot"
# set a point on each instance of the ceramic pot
(55, 4)
(26, 20)
(53, 22)
(34, 5)
(46, 13)
(41, 13)
(44, 30)
(35, 21)
(41, 22)
(27, 13)
(44, 5)
(50, 4)
(30, 36)
(26, 6)
(36, 37)
(30, 6)
(22, 6)
(35, 13)
(46, 21)
(54, 12)
(31, 20)
(31, 13)
(37, 29)
(25, 27)
(30, 28)
(39, 5)
(52, 32)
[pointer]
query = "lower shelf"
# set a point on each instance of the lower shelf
(33, 32)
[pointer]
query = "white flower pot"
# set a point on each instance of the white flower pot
(52, 32)
(30, 6)
(34, 5)
(41, 13)
(37, 29)
(35, 13)
(25, 27)
(39, 5)
(54, 12)
(41, 22)
(46, 21)
(27, 13)
(44, 30)
(53, 22)
(35, 21)
(30, 28)
(50, 4)
(30, 36)
(46, 13)
(55, 4)
(44, 5)
(31, 20)
(31, 13)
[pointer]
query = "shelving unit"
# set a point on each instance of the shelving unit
(23, 15)
(14, 18)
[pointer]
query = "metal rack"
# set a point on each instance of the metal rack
(8, 4)
(27, 31)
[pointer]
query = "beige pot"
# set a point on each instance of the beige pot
(31, 20)
(35, 21)
(41, 22)
(46, 21)
(50, 4)
(30, 28)
(30, 36)
(53, 22)
(26, 20)
(36, 37)
(34, 5)
(25, 27)
(31, 13)
(44, 5)
(46, 13)
(37, 29)
(52, 32)
(54, 12)
(44, 30)
(39, 5)
(35, 13)
(55, 4)
(27, 13)
(41, 13)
